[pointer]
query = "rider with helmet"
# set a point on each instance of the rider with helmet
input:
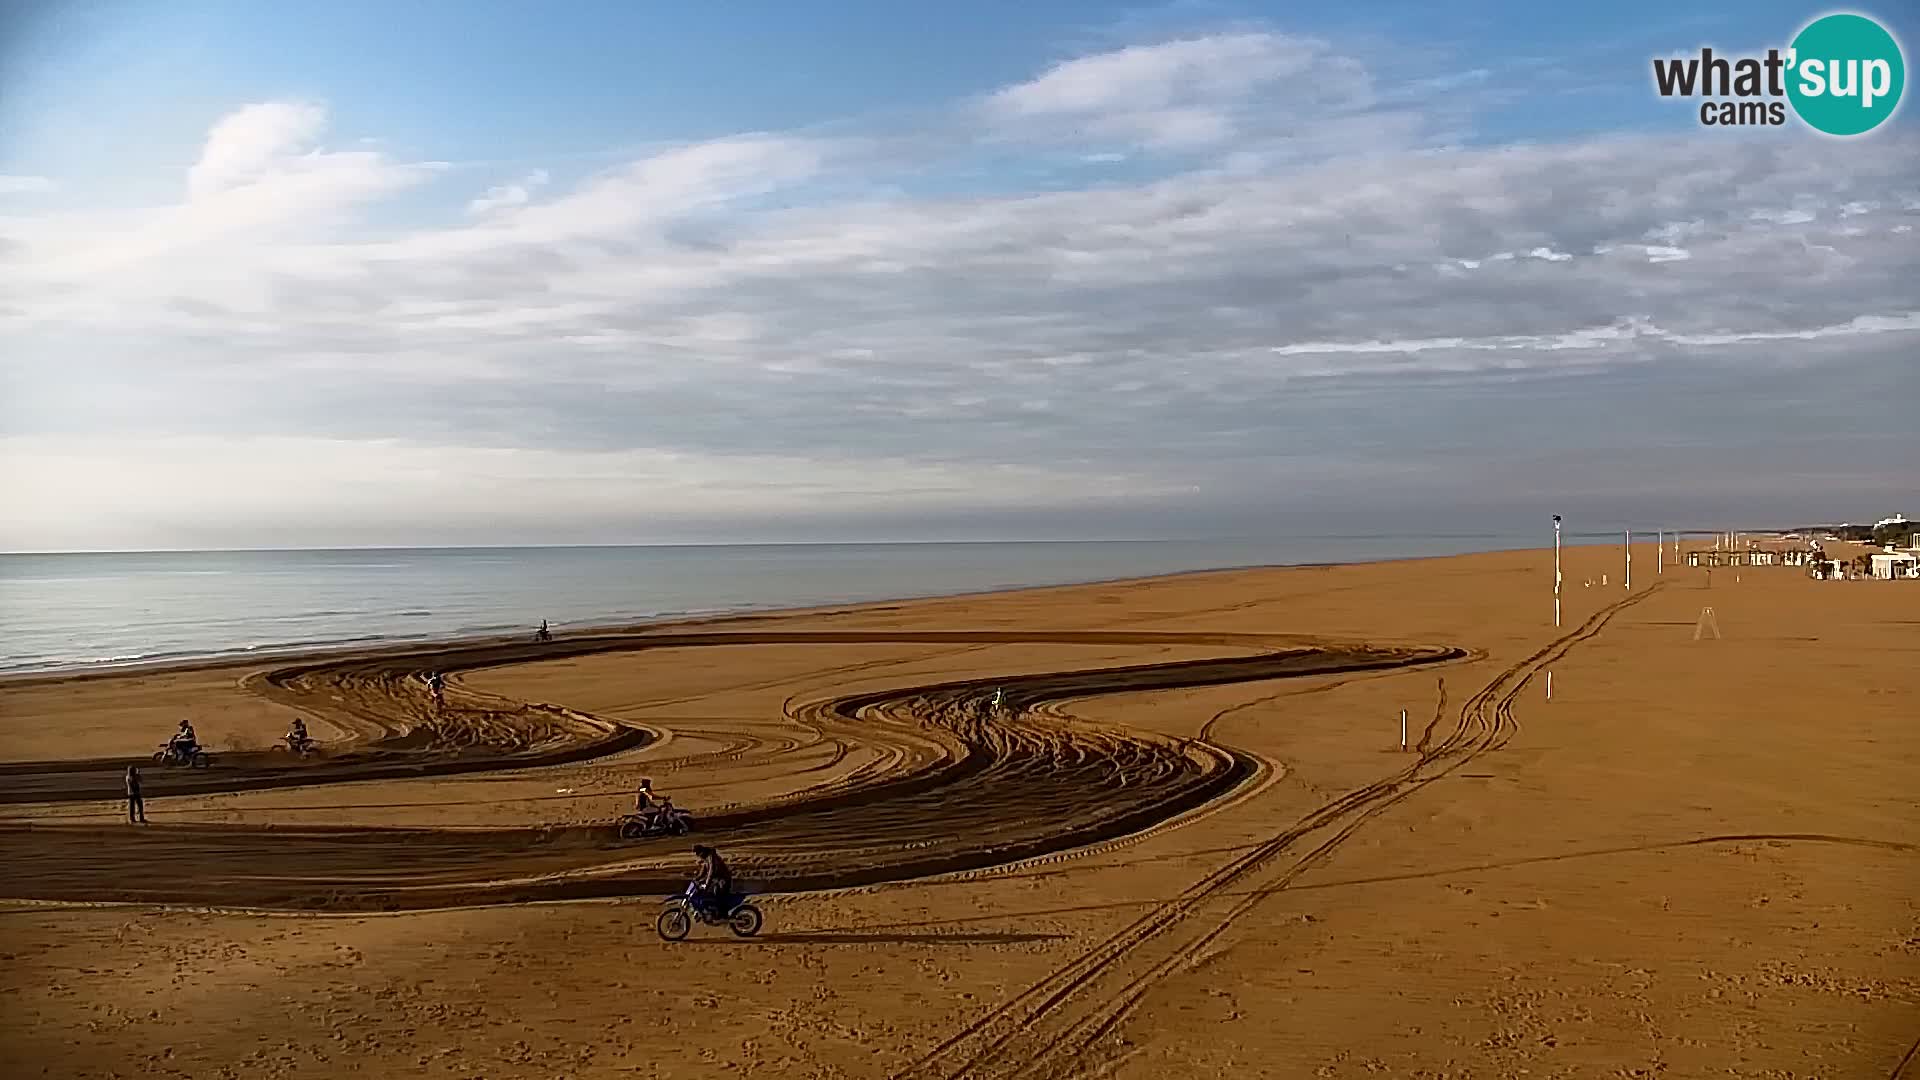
(714, 885)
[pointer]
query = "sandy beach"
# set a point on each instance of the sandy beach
(1191, 843)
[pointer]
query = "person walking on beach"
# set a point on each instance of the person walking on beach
(136, 806)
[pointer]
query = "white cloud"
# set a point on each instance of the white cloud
(789, 311)
(1625, 332)
(64, 493)
(261, 180)
(247, 145)
(509, 195)
(25, 185)
(1183, 94)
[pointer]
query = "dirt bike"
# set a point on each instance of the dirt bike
(173, 754)
(301, 745)
(678, 916)
(668, 820)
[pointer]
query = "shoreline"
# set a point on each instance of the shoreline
(294, 653)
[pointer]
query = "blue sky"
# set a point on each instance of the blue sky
(643, 272)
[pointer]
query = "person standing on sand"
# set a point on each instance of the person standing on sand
(136, 806)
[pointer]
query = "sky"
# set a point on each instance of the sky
(360, 274)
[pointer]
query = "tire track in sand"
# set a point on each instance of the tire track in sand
(1053, 1026)
(938, 795)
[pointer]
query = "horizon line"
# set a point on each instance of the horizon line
(890, 543)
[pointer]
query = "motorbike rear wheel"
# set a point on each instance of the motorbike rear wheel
(200, 760)
(745, 921)
(674, 924)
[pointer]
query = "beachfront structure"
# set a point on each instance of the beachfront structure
(1889, 565)
(1762, 558)
(1800, 557)
(1704, 558)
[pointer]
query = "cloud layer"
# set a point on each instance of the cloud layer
(1177, 276)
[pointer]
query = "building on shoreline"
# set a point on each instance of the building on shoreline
(1890, 565)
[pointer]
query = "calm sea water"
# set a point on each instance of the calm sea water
(93, 610)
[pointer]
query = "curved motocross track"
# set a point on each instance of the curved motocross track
(937, 787)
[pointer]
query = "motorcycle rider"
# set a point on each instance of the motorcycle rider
(714, 885)
(184, 741)
(543, 634)
(651, 808)
(297, 738)
(437, 686)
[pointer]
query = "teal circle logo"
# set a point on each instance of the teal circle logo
(1846, 74)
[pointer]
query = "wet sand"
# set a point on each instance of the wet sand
(1189, 845)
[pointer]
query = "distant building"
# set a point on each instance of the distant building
(1705, 558)
(1889, 565)
(1799, 558)
(1762, 558)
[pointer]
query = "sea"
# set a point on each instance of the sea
(82, 611)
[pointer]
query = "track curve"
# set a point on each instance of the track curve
(939, 788)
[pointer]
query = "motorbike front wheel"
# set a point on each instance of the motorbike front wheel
(674, 924)
(745, 921)
(632, 830)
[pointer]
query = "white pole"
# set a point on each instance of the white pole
(1549, 686)
(1660, 552)
(1629, 550)
(1403, 729)
(1556, 571)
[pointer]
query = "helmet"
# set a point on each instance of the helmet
(702, 850)
(646, 782)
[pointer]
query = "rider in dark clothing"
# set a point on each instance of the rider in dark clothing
(715, 884)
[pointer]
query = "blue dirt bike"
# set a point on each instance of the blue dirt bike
(678, 916)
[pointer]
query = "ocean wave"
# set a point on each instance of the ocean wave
(55, 663)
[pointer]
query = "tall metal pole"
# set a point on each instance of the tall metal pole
(1629, 550)
(1556, 571)
(1660, 552)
